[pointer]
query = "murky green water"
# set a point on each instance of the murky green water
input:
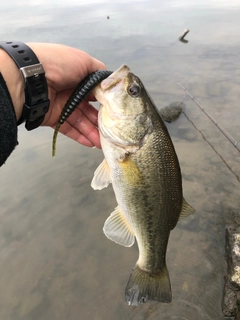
(55, 262)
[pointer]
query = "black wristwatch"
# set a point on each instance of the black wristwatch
(36, 90)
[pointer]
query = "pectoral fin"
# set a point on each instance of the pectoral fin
(187, 210)
(101, 178)
(116, 229)
(130, 171)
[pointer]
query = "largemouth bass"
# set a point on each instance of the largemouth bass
(142, 165)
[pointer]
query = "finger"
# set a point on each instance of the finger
(97, 65)
(89, 112)
(78, 126)
(81, 123)
(74, 134)
(87, 65)
(91, 97)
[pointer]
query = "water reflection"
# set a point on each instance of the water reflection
(55, 261)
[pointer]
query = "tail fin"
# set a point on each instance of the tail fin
(143, 286)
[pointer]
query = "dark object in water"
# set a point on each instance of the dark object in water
(78, 95)
(181, 38)
(171, 112)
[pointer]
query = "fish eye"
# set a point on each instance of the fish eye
(134, 90)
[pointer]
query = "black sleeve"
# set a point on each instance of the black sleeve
(8, 123)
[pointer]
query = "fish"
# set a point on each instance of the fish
(141, 163)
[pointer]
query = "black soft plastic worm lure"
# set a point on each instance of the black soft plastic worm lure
(78, 95)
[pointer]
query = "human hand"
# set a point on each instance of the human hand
(64, 68)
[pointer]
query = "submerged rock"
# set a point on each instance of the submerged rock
(171, 112)
(233, 255)
(231, 296)
(230, 301)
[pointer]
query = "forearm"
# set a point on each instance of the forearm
(14, 81)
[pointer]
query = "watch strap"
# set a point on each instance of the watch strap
(36, 90)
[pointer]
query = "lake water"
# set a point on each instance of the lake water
(55, 262)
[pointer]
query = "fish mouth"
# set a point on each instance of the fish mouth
(115, 78)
